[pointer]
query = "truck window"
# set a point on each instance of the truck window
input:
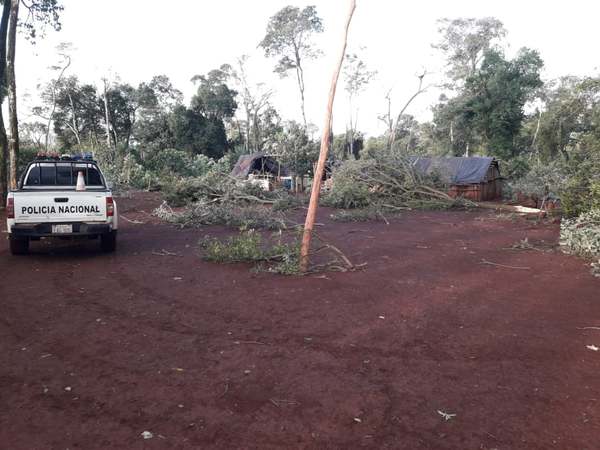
(64, 176)
(49, 174)
(33, 178)
(90, 173)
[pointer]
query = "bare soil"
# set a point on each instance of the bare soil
(96, 349)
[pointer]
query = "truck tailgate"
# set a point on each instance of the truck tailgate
(59, 206)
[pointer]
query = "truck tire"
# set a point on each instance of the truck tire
(108, 242)
(19, 246)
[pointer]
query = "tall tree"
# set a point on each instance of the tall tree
(3, 138)
(356, 76)
(464, 41)
(497, 96)
(288, 37)
(50, 93)
(214, 98)
(261, 119)
(151, 130)
(40, 13)
(11, 82)
(570, 118)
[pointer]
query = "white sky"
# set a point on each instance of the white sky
(138, 39)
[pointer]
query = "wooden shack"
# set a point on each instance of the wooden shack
(475, 178)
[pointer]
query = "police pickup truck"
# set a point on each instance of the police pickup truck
(61, 197)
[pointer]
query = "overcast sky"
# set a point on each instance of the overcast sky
(137, 39)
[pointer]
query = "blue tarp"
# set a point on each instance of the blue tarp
(454, 170)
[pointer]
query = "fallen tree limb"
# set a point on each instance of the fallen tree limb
(484, 261)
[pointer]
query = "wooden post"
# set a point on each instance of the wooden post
(318, 175)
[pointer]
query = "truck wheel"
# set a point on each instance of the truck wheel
(108, 241)
(19, 246)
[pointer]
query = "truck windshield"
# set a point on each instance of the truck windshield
(62, 174)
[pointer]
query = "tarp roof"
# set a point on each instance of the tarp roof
(455, 170)
(259, 162)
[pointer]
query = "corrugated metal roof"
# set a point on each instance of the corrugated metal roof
(456, 169)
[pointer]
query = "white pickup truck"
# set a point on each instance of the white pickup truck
(61, 198)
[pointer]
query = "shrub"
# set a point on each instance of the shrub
(582, 192)
(540, 180)
(248, 246)
(345, 191)
(581, 236)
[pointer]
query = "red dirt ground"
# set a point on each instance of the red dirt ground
(95, 349)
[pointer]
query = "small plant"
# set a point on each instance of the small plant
(245, 247)
(248, 246)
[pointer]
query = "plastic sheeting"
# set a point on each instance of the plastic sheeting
(259, 162)
(455, 170)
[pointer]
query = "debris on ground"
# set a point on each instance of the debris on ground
(146, 435)
(445, 415)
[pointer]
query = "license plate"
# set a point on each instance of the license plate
(62, 229)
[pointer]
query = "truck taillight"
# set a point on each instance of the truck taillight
(110, 207)
(10, 208)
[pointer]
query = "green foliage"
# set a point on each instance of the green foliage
(193, 132)
(249, 216)
(488, 114)
(540, 180)
(296, 149)
(286, 202)
(26, 155)
(345, 191)
(368, 214)
(581, 236)
(388, 180)
(288, 36)
(215, 186)
(582, 190)
(464, 41)
(569, 121)
(248, 246)
(214, 98)
(516, 168)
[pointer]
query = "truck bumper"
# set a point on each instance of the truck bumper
(45, 230)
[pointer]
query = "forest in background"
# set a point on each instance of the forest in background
(544, 132)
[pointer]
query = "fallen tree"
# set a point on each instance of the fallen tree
(390, 182)
(219, 199)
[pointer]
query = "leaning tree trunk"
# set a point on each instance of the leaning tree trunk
(13, 142)
(300, 78)
(3, 138)
(318, 173)
(106, 116)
